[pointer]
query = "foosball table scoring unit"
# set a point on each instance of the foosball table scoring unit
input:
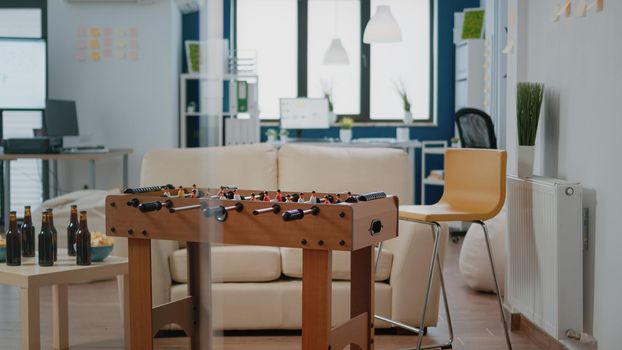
(229, 215)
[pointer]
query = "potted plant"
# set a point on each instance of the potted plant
(401, 90)
(528, 103)
(271, 135)
(327, 90)
(284, 135)
(345, 129)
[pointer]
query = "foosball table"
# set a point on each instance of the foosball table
(316, 222)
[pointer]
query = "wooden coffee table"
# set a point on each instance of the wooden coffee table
(29, 277)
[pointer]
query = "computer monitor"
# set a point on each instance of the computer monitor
(61, 118)
(304, 113)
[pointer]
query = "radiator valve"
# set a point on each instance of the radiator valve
(581, 337)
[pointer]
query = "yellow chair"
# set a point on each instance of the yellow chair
(475, 181)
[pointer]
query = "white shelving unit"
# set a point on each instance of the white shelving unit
(470, 74)
(430, 148)
(247, 128)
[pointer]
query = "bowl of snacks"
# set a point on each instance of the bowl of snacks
(2, 250)
(101, 246)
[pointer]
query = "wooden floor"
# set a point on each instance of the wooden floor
(95, 321)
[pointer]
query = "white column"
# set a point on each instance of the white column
(214, 53)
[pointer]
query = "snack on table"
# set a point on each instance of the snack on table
(99, 239)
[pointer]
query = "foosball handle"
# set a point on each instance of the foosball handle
(150, 206)
(134, 202)
(371, 196)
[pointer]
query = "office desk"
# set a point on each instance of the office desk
(55, 157)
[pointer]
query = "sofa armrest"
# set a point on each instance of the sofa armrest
(412, 252)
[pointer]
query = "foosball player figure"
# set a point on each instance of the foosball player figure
(301, 198)
(312, 198)
(252, 198)
(221, 193)
(195, 191)
(181, 193)
(236, 195)
(338, 199)
(288, 198)
(266, 197)
(279, 196)
(166, 193)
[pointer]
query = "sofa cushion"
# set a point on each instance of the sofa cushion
(292, 264)
(342, 169)
(247, 166)
(233, 263)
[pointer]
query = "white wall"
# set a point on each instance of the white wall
(578, 59)
(124, 104)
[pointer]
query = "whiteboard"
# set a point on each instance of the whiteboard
(304, 113)
(22, 73)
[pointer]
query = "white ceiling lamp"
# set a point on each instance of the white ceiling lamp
(336, 54)
(382, 27)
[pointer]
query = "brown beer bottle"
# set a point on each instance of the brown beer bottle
(46, 242)
(54, 233)
(13, 242)
(28, 234)
(83, 242)
(71, 231)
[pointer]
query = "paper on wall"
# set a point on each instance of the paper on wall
(509, 47)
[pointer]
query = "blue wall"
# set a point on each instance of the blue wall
(444, 90)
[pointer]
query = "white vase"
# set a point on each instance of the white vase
(345, 135)
(525, 161)
(408, 117)
(284, 138)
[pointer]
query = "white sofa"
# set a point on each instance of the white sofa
(260, 287)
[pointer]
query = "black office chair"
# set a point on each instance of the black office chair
(475, 129)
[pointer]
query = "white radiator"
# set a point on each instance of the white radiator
(545, 247)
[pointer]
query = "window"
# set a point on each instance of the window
(330, 19)
(407, 62)
(269, 28)
(291, 39)
(23, 90)
(26, 185)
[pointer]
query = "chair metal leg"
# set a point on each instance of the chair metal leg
(435, 258)
(494, 276)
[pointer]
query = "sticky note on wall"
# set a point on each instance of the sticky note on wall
(94, 31)
(95, 56)
(94, 44)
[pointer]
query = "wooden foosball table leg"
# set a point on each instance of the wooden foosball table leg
(316, 299)
(199, 288)
(362, 291)
(139, 253)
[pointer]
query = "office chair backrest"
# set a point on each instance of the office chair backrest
(475, 129)
(475, 181)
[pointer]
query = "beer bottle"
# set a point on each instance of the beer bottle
(71, 231)
(83, 242)
(54, 233)
(13, 242)
(28, 234)
(46, 242)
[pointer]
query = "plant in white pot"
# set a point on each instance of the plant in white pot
(327, 90)
(528, 103)
(401, 90)
(271, 135)
(345, 129)
(284, 135)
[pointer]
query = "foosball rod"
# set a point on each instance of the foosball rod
(275, 208)
(184, 208)
(221, 212)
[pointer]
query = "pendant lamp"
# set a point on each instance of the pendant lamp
(382, 27)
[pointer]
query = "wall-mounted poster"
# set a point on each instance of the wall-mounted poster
(193, 56)
(473, 25)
